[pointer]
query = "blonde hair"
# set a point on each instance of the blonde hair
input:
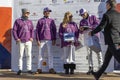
(66, 18)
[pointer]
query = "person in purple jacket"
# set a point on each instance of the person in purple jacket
(46, 35)
(23, 32)
(89, 22)
(69, 33)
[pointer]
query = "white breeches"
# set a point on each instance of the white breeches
(27, 46)
(69, 54)
(90, 59)
(48, 43)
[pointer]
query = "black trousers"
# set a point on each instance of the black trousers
(112, 50)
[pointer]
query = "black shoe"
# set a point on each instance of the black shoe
(52, 71)
(71, 71)
(66, 71)
(95, 75)
(66, 67)
(90, 71)
(19, 72)
(39, 71)
(72, 68)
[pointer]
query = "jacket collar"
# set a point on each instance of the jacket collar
(46, 17)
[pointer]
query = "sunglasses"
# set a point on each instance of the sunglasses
(81, 14)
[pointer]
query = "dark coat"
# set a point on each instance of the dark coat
(111, 25)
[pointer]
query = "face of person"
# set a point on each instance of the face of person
(84, 15)
(26, 14)
(70, 16)
(47, 14)
(108, 6)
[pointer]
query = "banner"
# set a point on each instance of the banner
(58, 7)
(5, 37)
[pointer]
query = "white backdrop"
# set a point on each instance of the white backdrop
(59, 7)
(6, 3)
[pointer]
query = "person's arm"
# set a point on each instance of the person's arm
(60, 31)
(54, 30)
(76, 31)
(37, 33)
(53, 33)
(81, 29)
(14, 31)
(95, 22)
(102, 25)
(31, 32)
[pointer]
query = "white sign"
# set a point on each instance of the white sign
(69, 37)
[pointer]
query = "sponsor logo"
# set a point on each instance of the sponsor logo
(44, 63)
(68, 1)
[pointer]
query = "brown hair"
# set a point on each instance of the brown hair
(66, 18)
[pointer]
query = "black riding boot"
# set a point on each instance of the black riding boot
(90, 70)
(72, 68)
(66, 67)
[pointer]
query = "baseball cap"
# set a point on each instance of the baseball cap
(82, 11)
(24, 10)
(46, 9)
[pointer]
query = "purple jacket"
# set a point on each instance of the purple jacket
(74, 28)
(91, 21)
(45, 29)
(23, 30)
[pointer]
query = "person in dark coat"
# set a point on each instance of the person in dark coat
(111, 25)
